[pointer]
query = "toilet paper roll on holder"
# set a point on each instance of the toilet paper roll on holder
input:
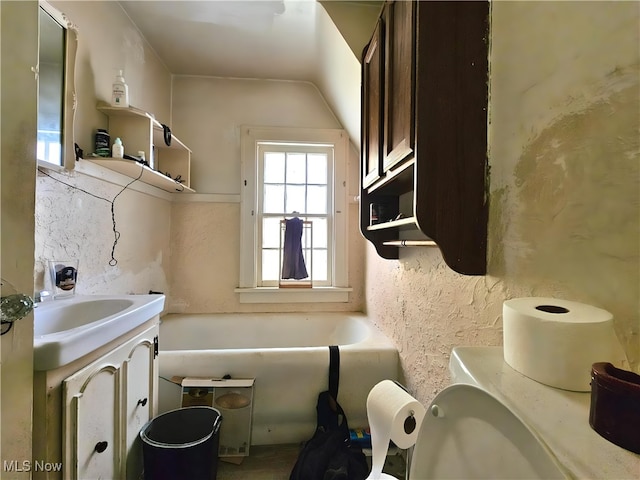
(410, 423)
(394, 415)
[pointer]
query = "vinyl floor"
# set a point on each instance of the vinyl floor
(275, 462)
(265, 462)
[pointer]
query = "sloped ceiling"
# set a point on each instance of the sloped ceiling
(355, 20)
(263, 39)
(245, 39)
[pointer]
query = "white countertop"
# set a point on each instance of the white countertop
(559, 417)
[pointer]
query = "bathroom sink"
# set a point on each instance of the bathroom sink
(67, 329)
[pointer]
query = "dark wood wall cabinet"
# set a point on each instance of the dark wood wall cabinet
(424, 131)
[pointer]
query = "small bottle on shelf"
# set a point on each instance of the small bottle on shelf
(117, 151)
(102, 143)
(120, 92)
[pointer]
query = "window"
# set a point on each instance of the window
(293, 173)
(293, 181)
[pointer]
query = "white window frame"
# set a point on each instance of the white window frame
(329, 151)
(250, 138)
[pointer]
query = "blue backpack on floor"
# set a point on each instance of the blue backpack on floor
(329, 454)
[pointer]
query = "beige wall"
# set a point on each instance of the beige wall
(209, 111)
(338, 75)
(206, 233)
(110, 42)
(17, 155)
(564, 206)
(205, 262)
(73, 224)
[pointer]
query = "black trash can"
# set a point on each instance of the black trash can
(182, 443)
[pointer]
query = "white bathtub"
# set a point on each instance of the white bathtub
(287, 354)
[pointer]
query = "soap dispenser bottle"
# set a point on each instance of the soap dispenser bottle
(117, 151)
(120, 92)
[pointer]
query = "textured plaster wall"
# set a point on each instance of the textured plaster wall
(565, 191)
(74, 224)
(205, 263)
(83, 230)
(205, 255)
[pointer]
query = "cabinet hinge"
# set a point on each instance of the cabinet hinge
(155, 346)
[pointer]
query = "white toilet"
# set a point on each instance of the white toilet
(495, 423)
(469, 434)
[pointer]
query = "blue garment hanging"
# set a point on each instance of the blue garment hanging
(293, 266)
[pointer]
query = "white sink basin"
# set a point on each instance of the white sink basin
(67, 329)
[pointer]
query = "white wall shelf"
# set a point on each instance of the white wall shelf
(132, 169)
(140, 131)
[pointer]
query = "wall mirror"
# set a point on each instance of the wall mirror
(58, 43)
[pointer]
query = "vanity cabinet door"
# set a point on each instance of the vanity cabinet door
(91, 423)
(105, 405)
(139, 397)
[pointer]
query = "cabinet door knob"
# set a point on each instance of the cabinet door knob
(142, 402)
(101, 446)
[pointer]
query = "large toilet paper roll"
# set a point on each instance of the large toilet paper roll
(555, 341)
(393, 415)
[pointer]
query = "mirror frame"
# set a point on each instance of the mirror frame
(69, 101)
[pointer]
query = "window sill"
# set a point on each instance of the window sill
(294, 295)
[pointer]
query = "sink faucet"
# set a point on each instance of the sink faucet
(41, 296)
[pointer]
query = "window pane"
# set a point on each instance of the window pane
(271, 233)
(306, 253)
(274, 167)
(320, 233)
(305, 241)
(295, 199)
(319, 265)
(270, 264)
(317, 168)
(273, 199)
(296, 168)
(316, 199)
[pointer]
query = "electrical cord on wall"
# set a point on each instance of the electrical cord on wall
(116, 234)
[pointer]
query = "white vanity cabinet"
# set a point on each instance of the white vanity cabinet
(105, 405)
(93, 415)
